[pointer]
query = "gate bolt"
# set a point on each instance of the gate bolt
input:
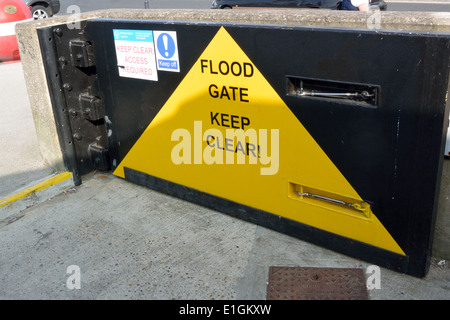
(67, 86)
(58, 32)
(63, 60)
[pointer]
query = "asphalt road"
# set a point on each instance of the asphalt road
(419, 6)
(88, 5)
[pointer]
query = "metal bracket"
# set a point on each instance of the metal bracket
(99, 156)
(92, 107)
(82, 53)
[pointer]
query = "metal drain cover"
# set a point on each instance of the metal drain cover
(297, 283)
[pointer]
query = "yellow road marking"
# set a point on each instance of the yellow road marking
(37, 187)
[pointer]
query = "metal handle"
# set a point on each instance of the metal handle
(364, 207)
(306, 194)
(362, 95)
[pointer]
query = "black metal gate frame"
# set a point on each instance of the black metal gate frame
(76, 59)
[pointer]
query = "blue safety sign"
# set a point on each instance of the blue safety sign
(166, 45)
(167, 58)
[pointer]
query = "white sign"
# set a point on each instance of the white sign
(167, 51)
(135, 51)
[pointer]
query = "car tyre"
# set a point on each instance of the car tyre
(40, 12)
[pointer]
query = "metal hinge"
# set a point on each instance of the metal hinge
(82, 53)
(99, 156)
(92, 107)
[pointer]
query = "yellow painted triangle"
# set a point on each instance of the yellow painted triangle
(291, 176)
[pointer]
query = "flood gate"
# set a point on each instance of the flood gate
(332, 136)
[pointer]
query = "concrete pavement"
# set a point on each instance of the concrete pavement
(129, 242)
(133, 243)
(21, 162)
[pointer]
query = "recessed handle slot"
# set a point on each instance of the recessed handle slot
(354, 93)
(331, 201)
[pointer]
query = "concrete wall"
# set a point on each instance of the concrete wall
(41, 104)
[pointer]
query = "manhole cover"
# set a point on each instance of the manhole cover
(297, 283)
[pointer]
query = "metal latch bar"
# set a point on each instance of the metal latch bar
(361, 94)
(363, 207)
(364, 95)
(307, 194)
